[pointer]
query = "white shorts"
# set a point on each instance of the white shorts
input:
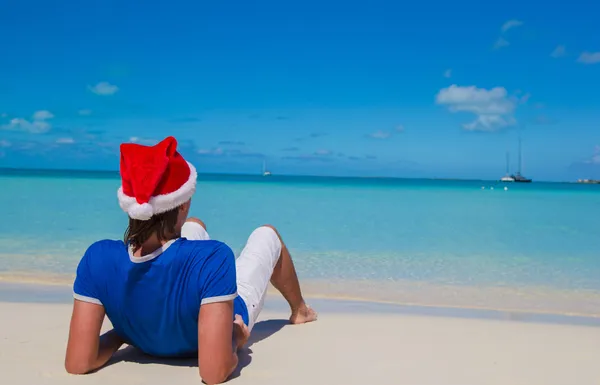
(254, 266)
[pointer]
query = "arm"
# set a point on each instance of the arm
(217, 355)
(217, 345)
(86, 350)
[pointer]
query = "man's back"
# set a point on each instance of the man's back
(181, 298)
(153, 300)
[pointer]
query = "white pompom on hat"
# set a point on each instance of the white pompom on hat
(154, 179)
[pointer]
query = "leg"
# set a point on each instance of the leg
(194, 230)
(285, 279)
(266, 259)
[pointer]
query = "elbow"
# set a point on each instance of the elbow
(217, 371)
(74, 367)
(214, 377)
(213, 380)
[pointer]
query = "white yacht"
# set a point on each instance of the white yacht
(265, 171)
(507, 177)
(516, 177)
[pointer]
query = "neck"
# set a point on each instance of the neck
(152, 244)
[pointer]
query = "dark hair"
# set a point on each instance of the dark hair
(163, 225)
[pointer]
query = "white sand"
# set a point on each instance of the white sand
(338, 349)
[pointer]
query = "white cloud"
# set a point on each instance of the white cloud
(104, 88)
(84, 112)
(511, 24)
(589, 58)
(144, 141)
(323, 152)
(5, 144)
(42, 115)
(4, 115)
(20, 124)
(448, 73)
(487, 123)
(476, 100)
(559, 51)
(211, 151)
(38, 125)
(525, 98)
(492, 107)
(380, 134)
(501, 42)
(65, 141)
(230, 153)
(595, 158)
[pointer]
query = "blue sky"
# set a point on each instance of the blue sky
(378, 88)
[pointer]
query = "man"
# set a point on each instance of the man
(168, 289)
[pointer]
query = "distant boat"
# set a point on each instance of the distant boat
(518, 177)
(265, 171)
(507, 177)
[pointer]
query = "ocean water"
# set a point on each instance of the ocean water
(449, 243)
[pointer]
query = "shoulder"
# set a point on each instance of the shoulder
(105, 245)
(205, 249)
(212, 270)
(206, 254)
(104, 250)
(96, 270)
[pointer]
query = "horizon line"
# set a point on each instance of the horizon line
(7, 170)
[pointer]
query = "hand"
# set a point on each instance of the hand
(240, 332)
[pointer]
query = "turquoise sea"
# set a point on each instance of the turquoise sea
(533, 247)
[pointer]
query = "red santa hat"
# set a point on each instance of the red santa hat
(155, 179)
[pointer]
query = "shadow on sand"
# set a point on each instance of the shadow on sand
(262, 330)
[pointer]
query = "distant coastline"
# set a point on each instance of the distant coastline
(589, 181)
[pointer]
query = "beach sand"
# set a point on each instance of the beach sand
(353, 348)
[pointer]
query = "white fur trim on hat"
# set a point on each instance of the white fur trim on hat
(142, 211)
(160, 203)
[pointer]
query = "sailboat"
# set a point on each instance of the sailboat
(518, 177)
(507, 177)
(265, 171)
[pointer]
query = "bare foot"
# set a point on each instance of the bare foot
(303, 315)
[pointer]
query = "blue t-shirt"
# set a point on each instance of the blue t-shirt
(153, 301)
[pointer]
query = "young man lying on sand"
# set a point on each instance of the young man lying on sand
(168, 289)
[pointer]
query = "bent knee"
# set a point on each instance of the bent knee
(271, 228)
(267, 232)
(265, 240)
(196, 220)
